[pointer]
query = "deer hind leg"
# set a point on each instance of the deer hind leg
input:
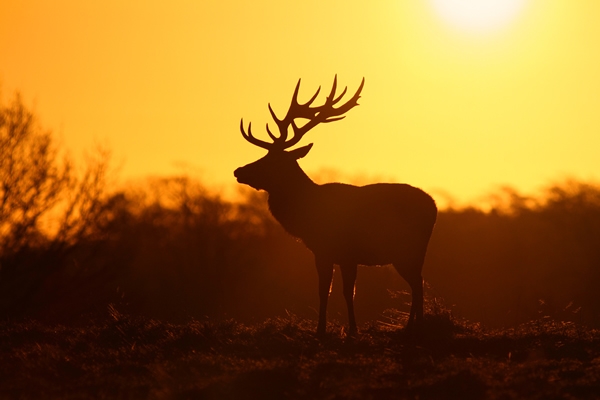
(325, 271)
(411, 272)
(349, 280)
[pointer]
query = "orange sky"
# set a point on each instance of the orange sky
(444, 108)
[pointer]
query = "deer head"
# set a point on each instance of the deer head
(279, 166)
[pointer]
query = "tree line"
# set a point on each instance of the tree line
(71, 243)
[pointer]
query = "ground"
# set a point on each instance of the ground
(115, 356)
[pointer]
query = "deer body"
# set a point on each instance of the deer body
(342, 224)
(369, 225)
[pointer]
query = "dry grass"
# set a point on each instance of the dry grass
(119, 356)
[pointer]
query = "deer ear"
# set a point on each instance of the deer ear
(301, 151)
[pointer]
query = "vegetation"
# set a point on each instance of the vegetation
(47, 206)
(210, 298)
(174, 251)
(527, 257)
(132, 357)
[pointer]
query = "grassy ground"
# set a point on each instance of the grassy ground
(119, 356)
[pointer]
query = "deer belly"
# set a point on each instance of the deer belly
(362, 247)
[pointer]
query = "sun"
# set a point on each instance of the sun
(478, 15)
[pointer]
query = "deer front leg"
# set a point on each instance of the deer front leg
(325, 271)
(349, 280)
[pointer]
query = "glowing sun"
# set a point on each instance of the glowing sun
(478, 15)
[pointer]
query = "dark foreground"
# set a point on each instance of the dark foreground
(124, 357)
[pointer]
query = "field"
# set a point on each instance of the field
(116, 356)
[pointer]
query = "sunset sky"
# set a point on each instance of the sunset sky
(459, 98)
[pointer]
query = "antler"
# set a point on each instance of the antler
(316, 115)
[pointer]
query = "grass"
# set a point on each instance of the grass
(118, 356)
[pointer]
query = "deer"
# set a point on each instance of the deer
(342, 224)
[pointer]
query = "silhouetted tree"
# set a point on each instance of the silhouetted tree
(43, 197)
(31, 177)
(47, 204)
(525, 258)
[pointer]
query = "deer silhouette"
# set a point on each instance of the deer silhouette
(341, 224)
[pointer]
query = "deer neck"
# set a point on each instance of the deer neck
(295, 185)
(289, 202)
